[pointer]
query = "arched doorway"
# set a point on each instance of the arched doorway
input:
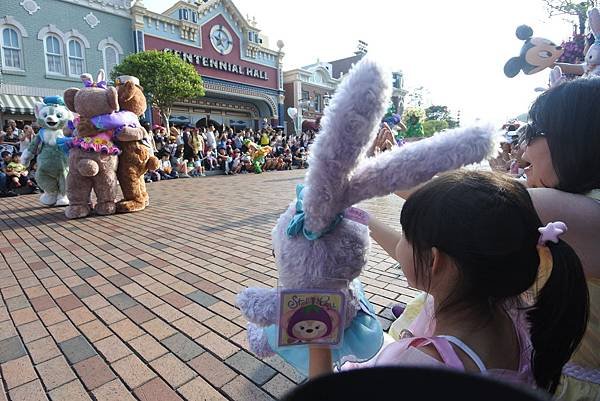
(202, 123)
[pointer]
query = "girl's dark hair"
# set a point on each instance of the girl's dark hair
(567, 115)
(488, 226)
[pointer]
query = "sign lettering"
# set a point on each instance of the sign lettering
(219, 64)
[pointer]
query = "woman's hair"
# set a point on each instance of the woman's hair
(567, 115)
(488, 226)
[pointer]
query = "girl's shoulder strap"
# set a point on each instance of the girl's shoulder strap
(467, 350)
(442, 346)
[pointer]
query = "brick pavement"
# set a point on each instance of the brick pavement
(141, 306)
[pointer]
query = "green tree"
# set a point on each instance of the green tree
(413, 119)
(438, 112)
(165, 78)
(573, 8)
(430, 127)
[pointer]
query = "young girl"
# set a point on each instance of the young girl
(472, 241)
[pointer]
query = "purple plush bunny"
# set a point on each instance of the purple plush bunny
(312, 241)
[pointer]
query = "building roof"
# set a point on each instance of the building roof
(342, 66)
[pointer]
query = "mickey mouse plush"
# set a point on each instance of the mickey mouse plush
(536, 54)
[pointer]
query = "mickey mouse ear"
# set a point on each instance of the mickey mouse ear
(512, 67)
(524, 32)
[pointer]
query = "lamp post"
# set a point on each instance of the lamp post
(305, 105)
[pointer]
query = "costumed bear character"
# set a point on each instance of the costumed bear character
(93, 154)
(591, 66)
(536, 54)
(317, 242)
(137, 155)
(48, 146)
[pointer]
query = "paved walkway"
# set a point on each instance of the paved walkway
(141, 306)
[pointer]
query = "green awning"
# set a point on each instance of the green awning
(18, 104)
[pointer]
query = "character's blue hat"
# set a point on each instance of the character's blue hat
(54, 100)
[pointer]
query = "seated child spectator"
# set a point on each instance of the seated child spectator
(210, 158)
(152, 176)
(182, 166)
(300, 158)
(223, 160)
(5, 191)
(236, 162)
(246, 161)
(287, 158)
(198, 170)
(165, 169)
(18, 173)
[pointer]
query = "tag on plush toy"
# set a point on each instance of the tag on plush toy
(311, 317)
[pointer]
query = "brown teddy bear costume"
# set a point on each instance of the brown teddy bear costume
(92, 155)
(137, 153)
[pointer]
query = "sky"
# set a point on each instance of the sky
(456, 49)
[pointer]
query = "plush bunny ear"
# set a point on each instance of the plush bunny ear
(87, 79)
(594, 16)
(101, 76)
(556, 76)
(417, 162)
(348, 126)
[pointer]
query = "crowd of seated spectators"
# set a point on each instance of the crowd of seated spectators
(15, 177)
(188, 151)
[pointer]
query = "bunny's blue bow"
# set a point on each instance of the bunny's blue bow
(296, 225)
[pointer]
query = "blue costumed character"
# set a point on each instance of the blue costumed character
(49, 147)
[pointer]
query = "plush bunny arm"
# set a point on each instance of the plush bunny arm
(417, 162)
(348, 126)
(259, 305)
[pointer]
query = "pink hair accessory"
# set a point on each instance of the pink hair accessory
(551, 232)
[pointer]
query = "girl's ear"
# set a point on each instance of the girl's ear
(437, 262)
(442, 265)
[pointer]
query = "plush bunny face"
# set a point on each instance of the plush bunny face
(592, 57)
(341, 254)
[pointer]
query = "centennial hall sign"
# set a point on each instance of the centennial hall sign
(221, 65)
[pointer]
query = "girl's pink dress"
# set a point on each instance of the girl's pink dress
(406, 351)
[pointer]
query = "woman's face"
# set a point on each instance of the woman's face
(541, 172)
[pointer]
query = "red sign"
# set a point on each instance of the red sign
(211, 63)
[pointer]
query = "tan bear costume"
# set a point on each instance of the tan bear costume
(92, 155)
(137, 153)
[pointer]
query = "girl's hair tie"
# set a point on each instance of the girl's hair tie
(551, 232)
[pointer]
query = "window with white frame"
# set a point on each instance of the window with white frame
(11, 49)
(76, 58)
(54, 55)
(111, 58)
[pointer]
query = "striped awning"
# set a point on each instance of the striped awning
(18, 104)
